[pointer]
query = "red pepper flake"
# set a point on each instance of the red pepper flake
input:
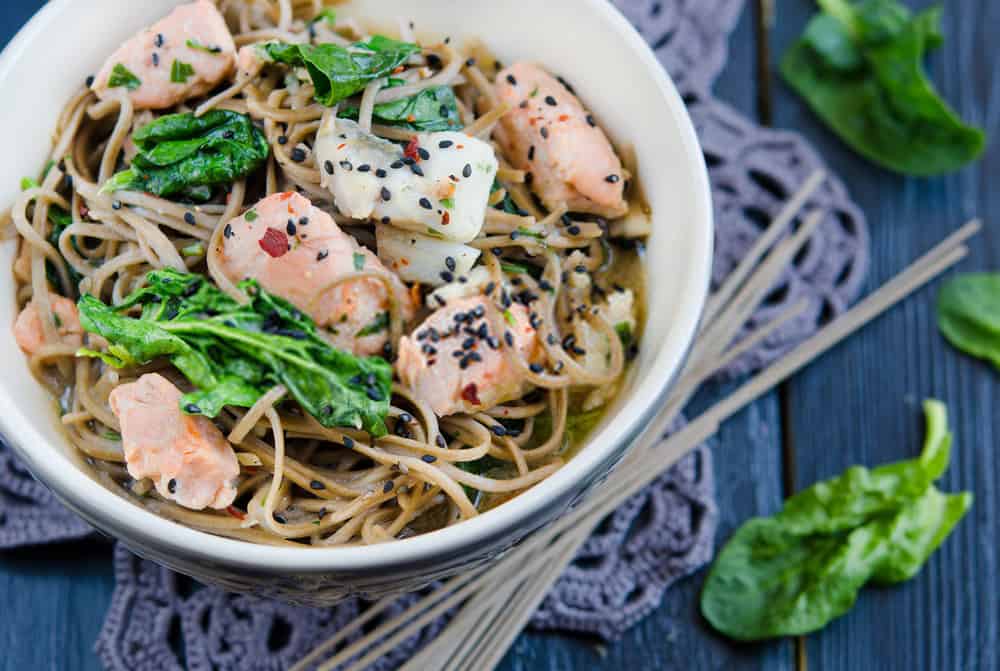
(399, 68)
(274, 242)
(341, 146)
(471, 393)
(285, 196)
(459, 146)
(446, 218)
(411, 118)
(412, 149)
(564, 117)
(236, 512)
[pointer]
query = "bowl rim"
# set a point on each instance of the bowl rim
(95, 501)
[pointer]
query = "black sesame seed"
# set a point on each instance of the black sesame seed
(612, 179)
(407, 160)
(116, 205)
(280, 519)
(380, 173)
(417, 170)
(348, 443)
(573, 230)
(497, 251)
(364, 167)
(346, 165)
(328, 166)
(158, 40)
(426, 204)
(189, 219)
(470, 62)
(549, 100)
(386, 194)
(440, 440)
(479, 312)
(192, 409)
(156, 60)
(469, 343)
(444, 144)
(467, 171)
(303, 221)
(172, 485)
(449, 262)
(590, 120)
(423, 154)
(536, 368)
(444, 111)
(298, 155)
(387, 487)
(323, 253)
(396, 165)
(545, 132)
(511, 80)
(282, 139)
(492, 342)
(499, 430)
(290, 227)
(531, 153)
(429, 458)
(544, 285)
(508, 338)
(316, 484)
(227, 232)
(374, 394)
(90, 81)
(490, 286)
(405, 417)
(447, 276)
(474, 356)
(529, 178)
(434, 61)
(580, 269)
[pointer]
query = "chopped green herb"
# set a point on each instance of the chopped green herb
(359, 261)
(513, 268)
(251, 215)
(448, 203)
(530, 233)
(57, 320)
(624, 331)
(180, 72)
(112, 435)
(509, 316)
(195, 249)
(195, 44)
(434, 233)
(534, 92)
(28, 183)
(380, 323)
(122, 76)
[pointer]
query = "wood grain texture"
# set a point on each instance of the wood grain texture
(861, 403)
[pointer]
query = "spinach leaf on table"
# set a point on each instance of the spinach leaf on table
(337, 72)
(232, 354)
(184, 155)
(859, 67)
(793, 572)
(968, 312)
(430, 111)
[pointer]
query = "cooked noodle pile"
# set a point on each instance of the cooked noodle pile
(302, 483)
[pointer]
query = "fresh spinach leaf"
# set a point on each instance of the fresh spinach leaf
(793, 572)
(859, 67)
(184, 155)
(968, 313)
(232, 354)
(122, 76)
(337, 72)
(432, 110)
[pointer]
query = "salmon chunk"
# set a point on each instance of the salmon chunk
(185, 456)
(295, 250)
(549, 134)
(181, 56)
(455, 362)
(28, 331)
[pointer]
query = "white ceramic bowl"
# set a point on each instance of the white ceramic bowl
(617, 76)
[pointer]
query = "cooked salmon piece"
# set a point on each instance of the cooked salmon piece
(295, 250)
(455, 362)
(184, 55)
(28, 331)
(549, 134)
(186, 456)
(438, 185)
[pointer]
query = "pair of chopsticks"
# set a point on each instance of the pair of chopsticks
(494, 604)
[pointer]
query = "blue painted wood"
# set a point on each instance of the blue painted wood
(860, 404)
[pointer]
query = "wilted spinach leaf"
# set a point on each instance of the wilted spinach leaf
(859, 66)
(430, 111)
(233, 353)
(793, 572)
(338, 73)
(185, 155)
(969, 314)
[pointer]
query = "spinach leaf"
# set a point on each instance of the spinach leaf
(60, 219)
(793, 572)
(859, 67)
(968, 312)
(337, 72)
(184, 155)
(232, 354)
(430, 111)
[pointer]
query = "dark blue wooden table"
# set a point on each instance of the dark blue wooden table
(859, 404)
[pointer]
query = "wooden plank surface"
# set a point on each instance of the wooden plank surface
(860, 404)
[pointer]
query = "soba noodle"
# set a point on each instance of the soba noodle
(300, 482)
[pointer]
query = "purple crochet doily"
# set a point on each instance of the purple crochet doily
(159, 620)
